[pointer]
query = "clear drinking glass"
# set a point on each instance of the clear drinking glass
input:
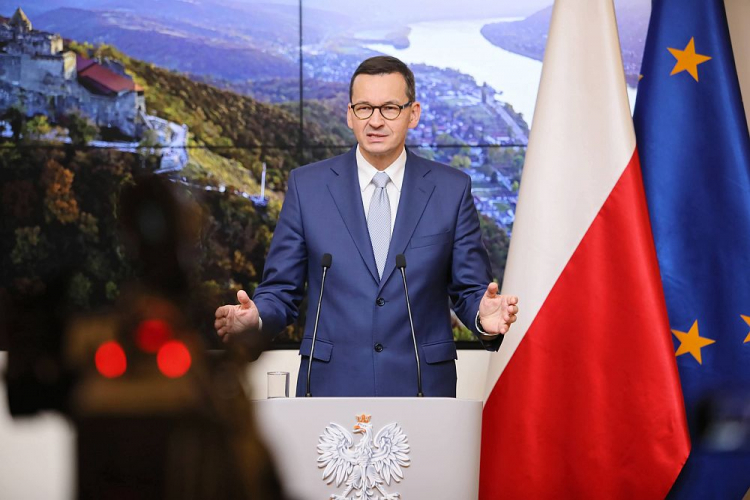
(278, 385)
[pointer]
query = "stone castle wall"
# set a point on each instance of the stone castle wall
(120, 111)
(10, 68)
(42, 73)
(31, 43)
(69, 65)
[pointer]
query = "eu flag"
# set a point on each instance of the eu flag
(695, 153)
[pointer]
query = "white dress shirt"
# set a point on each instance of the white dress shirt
(365, 172)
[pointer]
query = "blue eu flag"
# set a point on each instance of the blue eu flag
(695, 154)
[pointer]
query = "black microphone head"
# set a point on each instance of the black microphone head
(400, 261)
(326, 260)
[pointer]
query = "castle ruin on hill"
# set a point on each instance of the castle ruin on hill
(37, 74)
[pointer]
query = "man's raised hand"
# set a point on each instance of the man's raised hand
(233, 321)
(497, 312)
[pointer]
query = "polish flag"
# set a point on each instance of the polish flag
(583, 398)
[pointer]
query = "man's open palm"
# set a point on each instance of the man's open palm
(497, 312)
(232, 321)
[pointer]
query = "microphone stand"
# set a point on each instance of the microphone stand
(401, 264)
(326, 263)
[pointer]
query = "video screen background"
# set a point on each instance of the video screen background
(227, 87)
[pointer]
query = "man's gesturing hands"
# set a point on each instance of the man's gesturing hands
(497, 312)
(232, 321)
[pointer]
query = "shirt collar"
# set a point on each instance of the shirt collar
(395, 170)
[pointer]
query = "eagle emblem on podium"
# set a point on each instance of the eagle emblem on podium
(366, 467)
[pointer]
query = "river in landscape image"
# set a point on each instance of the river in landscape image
(460, 45)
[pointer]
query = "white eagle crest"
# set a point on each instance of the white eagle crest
(366, 466)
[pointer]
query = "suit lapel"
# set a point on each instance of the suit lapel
(415, 193)
(344, 188)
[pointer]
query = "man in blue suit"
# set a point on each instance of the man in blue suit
(364, 208)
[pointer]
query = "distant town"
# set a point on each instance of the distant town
(463, 124)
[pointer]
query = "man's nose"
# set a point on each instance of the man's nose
(377, 120)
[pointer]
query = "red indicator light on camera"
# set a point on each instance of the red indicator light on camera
(110, 360)
(173, 359)
(151, 334)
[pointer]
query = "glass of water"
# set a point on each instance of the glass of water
(278, 385)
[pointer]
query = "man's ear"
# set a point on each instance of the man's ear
(349, 117)
(415, 111)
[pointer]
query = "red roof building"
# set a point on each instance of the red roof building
(100, 80)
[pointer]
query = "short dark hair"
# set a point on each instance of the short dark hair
(385, 65)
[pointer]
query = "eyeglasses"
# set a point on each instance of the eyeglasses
(363, 111)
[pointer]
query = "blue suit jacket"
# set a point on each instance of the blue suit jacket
(364, 345)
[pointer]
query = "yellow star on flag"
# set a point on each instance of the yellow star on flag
(747, 320)
(691, 342)
(687, 60)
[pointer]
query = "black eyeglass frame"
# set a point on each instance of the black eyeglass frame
(400, 107)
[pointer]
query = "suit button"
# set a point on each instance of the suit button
(378, 347)
(380, 301)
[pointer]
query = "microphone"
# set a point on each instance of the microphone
(326, 264)
(401, 264)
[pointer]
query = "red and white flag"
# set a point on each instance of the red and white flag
(583, 399)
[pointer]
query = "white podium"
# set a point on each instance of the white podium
(443, 436)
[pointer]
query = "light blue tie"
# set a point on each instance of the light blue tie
(379, 221)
